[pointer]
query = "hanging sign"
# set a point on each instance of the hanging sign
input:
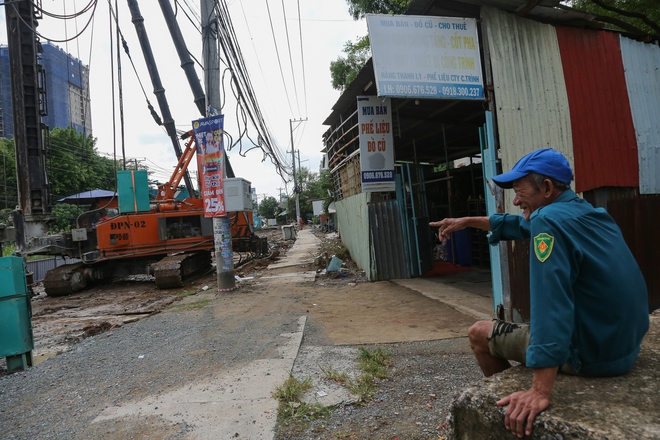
(426, 56)
(210, 163)
(376, 143)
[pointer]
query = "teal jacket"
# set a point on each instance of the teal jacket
(589, 305)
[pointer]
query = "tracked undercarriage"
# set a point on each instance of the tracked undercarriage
(170, 271)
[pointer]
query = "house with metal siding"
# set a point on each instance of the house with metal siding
(591, 93)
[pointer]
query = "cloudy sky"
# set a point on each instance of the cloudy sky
(283, 94)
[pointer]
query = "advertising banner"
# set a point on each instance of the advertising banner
(426, 56)
(210, 163)
(376, 143)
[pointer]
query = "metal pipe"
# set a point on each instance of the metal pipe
(159, 90)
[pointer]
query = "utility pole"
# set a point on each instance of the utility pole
(296, 189)
(224, 256)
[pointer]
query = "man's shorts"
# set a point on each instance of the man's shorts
(509, 341)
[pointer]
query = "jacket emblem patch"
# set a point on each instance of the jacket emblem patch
(543, 244)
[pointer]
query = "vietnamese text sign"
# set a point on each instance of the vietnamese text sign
(426, 56)
(376, 143)
(210, 163)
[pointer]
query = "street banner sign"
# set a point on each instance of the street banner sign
(376, 143)
(210, 163)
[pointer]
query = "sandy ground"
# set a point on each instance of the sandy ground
(343, 311)
(382, 311)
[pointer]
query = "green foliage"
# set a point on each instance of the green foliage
(291, 409)
(330, 373)
(6, 216)
(374, 362)
(8, 249)
(269, 208)
(75, 165)
(312, 187)
(360, 8)
(65, 217)
(344, 70)
(639, 16)
(9, 192)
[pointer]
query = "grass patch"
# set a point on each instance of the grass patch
(291, 409)
(343, 253)
(331, 374)
(374, 366)
(185, 294)
(199, 304)
(374, 362)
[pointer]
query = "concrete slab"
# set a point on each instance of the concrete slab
(478, 306)
(621, 407)
(303, 251)
(235, 403)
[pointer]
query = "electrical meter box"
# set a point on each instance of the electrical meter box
(133, 191)
(238, 195)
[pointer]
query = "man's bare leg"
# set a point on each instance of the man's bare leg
(489, 364)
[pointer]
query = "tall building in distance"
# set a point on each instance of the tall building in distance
(67, 100)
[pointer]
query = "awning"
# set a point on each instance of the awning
(88, 196)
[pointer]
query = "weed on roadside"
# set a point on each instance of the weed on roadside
(291, 409)
(374, 362)
(331, 374)
(373, 365)
(185, 294)
(199, 304)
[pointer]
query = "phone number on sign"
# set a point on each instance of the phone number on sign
(460, 91)
(368, 175)
(416, 89)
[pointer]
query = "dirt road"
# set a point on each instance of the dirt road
(118, 378)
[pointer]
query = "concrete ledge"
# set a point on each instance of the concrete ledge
(623, 407)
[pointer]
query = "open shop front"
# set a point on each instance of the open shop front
(442, 141)
(439, 172)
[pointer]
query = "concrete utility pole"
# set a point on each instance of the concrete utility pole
(224, 255)
(296, 189)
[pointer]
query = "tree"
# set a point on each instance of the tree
(312, 187)
(75, 165)
(9, 192)
(344, 70)
(269, 208)
(359, 8)
(65, 216)
(636, 16)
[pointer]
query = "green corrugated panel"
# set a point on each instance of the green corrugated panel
(15, 310)
(133, 191)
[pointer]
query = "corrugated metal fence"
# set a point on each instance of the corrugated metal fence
(40, 267)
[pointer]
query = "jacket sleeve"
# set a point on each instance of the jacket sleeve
(552, 274)
(507, 227)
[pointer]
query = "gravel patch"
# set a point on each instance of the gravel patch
(413, 403)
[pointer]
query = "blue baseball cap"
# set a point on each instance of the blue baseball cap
(546, 161)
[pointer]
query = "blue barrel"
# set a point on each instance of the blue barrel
(17, 342)
(459, 247)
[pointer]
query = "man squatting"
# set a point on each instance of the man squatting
(589, 307)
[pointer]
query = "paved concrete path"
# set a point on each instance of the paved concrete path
(236, 402)
(304, 251)
(478, 306)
